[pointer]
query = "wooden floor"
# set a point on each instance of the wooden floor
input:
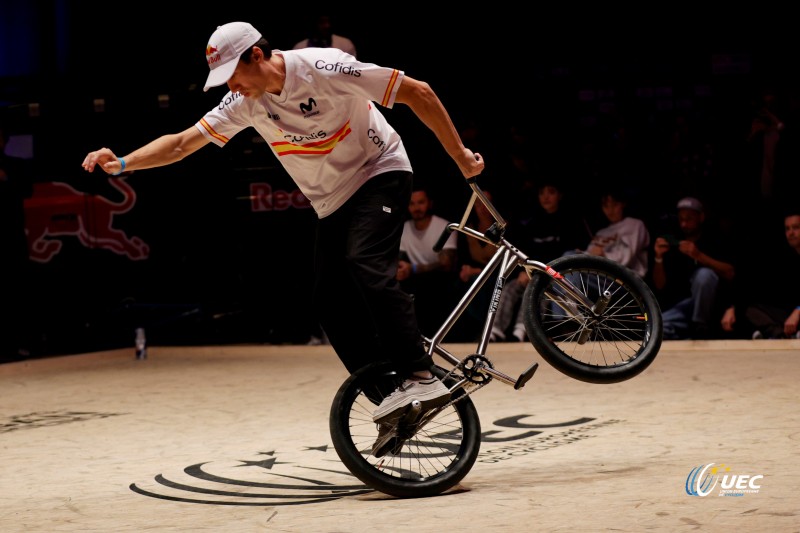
(236, 439)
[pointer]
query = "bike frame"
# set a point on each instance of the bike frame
(507, 258)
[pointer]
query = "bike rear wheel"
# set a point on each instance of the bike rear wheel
(617, 344)
(432, 460)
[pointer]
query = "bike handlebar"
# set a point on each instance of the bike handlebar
(442, 239)
(477, 194)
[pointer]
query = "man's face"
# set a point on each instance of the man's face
(420, 205)
(246, 79)
(792, 227)
(690, 221)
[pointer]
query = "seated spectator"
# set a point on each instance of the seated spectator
(690, 273)
(625, 239)
(424, 273)
(768, 310)
(545, 233)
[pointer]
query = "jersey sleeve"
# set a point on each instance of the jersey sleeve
(224, 121)
(344, 73)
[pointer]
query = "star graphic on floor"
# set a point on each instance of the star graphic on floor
(264, 463)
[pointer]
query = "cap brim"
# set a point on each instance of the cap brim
(221, 74)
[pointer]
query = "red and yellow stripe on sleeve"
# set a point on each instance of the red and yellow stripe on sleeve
(213, 133)
(387, 95)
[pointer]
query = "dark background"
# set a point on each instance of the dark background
(595, 95)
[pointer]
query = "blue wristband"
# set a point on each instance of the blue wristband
(413, 268)
(122, 169)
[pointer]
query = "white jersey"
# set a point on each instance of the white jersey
(324, 127)
(419, 244)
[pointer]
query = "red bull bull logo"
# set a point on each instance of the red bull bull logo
(211, 54)
(56, 211)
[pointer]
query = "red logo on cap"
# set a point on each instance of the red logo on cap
(210, 50)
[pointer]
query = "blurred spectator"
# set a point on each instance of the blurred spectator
(321, 36)
(764, 310)
(546, 232)
(473, 255)
(625, 239)
(690, 273)
(424, 273)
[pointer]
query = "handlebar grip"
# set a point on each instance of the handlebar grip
(442, 239)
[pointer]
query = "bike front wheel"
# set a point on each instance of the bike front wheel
(430, 461)
(614, 342)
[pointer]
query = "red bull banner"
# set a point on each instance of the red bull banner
(57, 211)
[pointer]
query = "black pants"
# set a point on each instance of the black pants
(361, 306)
(768, 319)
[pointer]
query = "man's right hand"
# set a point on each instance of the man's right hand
(104, 157)
(403, 270)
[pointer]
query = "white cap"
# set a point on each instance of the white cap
(691, 203)
(224, 48)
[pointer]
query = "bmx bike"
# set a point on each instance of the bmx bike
(590, 318)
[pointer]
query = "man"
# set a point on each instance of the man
(321, 35)
(316, 108)
(769, 310)
(546, 232)
(424, 273)
(688, 273)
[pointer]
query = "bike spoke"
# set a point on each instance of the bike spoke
(613, 338)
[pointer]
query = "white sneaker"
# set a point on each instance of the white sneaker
(496, 335)
(431, 393)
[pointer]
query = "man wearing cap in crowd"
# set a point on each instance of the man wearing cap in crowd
(690, 272)
(316, 108)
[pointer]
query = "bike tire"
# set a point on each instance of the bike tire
(434, 460)
(619, 345)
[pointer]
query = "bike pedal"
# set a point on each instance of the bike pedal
(526, 376)
(387, 442)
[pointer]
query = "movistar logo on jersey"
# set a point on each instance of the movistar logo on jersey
(305, 108)
(338, 67)
(308, 109)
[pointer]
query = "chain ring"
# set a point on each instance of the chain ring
(470, 363)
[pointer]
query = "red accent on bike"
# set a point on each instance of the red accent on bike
(554, 273)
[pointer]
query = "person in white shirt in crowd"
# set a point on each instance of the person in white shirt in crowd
(625, 239)
(427, 275)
